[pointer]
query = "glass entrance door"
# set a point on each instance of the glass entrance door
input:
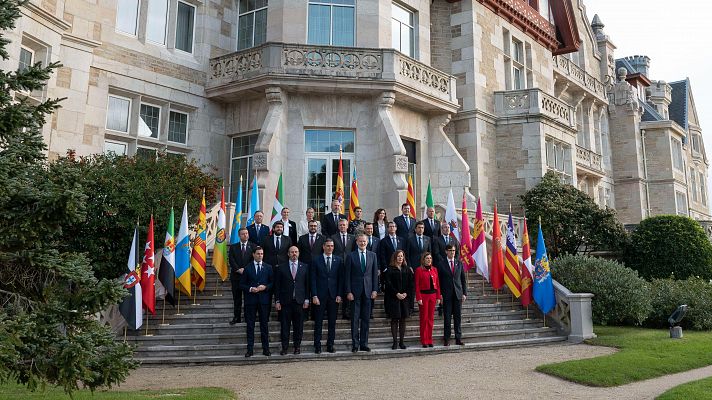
(322, 173)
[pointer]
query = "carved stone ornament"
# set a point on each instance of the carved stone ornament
(259, 161)
(401, 163)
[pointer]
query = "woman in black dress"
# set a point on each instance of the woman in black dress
(399, 290)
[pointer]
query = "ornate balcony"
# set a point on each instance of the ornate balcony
(330, 69)
(533, 102)
(573, 73)
(589, 160)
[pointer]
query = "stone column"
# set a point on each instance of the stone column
(269, 148)
(394, 171)
(581, 318)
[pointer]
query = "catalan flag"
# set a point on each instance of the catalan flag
(512, 277)
(527, 267)
(198, 256)
(353, 198)
(497, 263)
(220, 247)
(182, 254)
(411, 196)
(339, 192)
(479, 244)
(237, 216)
(465, 239)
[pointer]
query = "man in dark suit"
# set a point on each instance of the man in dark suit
(405, 224)
(326, 288)
(290, 227)
(416, 245)
(310, 244)
(432, 226)
(360, 286)
(440, 242)
(276, 246)
(372, 246)
(330, 221)
(453, 287)
(239, 256)
(386, 247)
(343, 245)
(258, 231)
(292, 292)
(256, 282)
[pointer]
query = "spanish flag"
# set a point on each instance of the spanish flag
(339, 192)
(353, 198)
(198, 256)
(411, 196)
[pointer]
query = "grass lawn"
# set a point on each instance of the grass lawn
(644, 354)
(701, 389)
(17, 392)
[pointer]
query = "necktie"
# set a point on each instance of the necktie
(432, 227)
(328, 264)
(407, 221)
(395, 244)
(343, 241)
(363, 262)
(420, 243)
(277, 245)
(336, 219)
(311, 241)
(259, 268)
(257, 228)
(369, 243)
(294, 271)
(244, 249)
(447, 240)
(452, 266)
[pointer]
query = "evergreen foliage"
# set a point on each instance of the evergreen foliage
(667, 294)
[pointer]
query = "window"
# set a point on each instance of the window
(331, 22)
(117, 114)
(696, 142)
(517, 62)
(402, 23)
(146, 153)
(252, 23)
(116, 148)
(178, 127)
(127, 16)
(558, 159)
(150, 121)
(26, 59)
(184, 27)
(322, 155)
(676, 154)
(703, 189)
(681, 203)
(243, 147)
(156, 21)
(693, 184)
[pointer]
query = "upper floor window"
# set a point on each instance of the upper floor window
(681, 203)
(703, 189)
(693, 184)
(558, 159)
(517, 63)
(156, 21)
(403, 22)
(117, 114)
(252, 23)
(332, 22)
(696, 142)
(184, 27)
(676, 154)
(178, 127)
(150, 121)
(26, 59)
(127, 16)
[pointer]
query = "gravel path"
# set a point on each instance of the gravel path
(493, 374)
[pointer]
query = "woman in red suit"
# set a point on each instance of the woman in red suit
(427, 293)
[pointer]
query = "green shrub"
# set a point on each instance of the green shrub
(621, 296)
(667, 294)
(670, 246)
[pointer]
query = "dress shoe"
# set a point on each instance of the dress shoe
(249, 353)
(317, 350)
(459, 342)
(354, 349)
(283, 352)
(266, 353)
(395, 346)
(446, 342)
(365, 348)
(234, 321)
(425, 346)
(402, 346)
(430, 345)
(297, 350)
(330, 349)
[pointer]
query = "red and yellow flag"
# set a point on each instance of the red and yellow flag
(512, 277)
(148, 273)
(339, 192)
(497, 262)
(198, 256)
(465, 238)
(411, 196)
(527, 268)
(353, 198)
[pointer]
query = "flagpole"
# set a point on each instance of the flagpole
(178, 310)
(125, 330)
(146, 334)
(527, 318)
(483, 285)
(217, 282)
(497, 298)
(163, 313)
(195, 294)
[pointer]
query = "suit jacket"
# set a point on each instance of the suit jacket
(306, 251)
(361, 282)
(339, 248)
(438, 246)
(292, 231)
(274, 256)
(328, 225)
(431, 231)
(403, 230)
(413, 252)
(287, 288)
(254, 237)
(327, 284)
(237, 259)
(386, 250)
(452, 283)
(373, 246)
(253, 279)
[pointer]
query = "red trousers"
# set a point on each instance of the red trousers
(427, 312)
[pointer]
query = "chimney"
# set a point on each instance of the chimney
(660, 96)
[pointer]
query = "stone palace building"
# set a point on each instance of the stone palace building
(486, 95)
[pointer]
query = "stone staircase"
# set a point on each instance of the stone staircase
(203, 334)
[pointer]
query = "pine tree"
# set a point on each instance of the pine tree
(49, 295)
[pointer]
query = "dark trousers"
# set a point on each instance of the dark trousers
(360, 320)
(292, 316)
(452, 310)
(330, 306)
(236, 296)
(251, 311)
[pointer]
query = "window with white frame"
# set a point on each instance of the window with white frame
(676, 146)
(517, 63)
(27, 57)
(558, 159)
(402, 27)
(332, 22)
(695, 142)
(117, 148)
(251, 23)
(680, 203)
(146, 153)
(157, 21)
(178, 127)
(703, 189)
(185, 24)
(117, 114)
(149, 122)
(243, 148)
(127, 16)
(693, 184)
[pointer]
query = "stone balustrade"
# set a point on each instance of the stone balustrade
(569, 69)
(533, 102)
(588, 158)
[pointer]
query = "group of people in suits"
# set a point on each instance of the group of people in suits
(337, 262)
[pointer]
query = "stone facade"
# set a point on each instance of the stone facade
(477, 102)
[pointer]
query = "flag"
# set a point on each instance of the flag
(198, 256)
(466, 242)
(497, 263)
(429, 203)
(527, 268)
(254, 204)
(353, 198)
(339, 192)
(182, 255)
(237, 216)
(479, 243)
(410, 198)
(543, 286)
(278, 204)
(451, 216)
(167, 269)
(148, 272)
(220, 246)
(512, 276)
(131, 307)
